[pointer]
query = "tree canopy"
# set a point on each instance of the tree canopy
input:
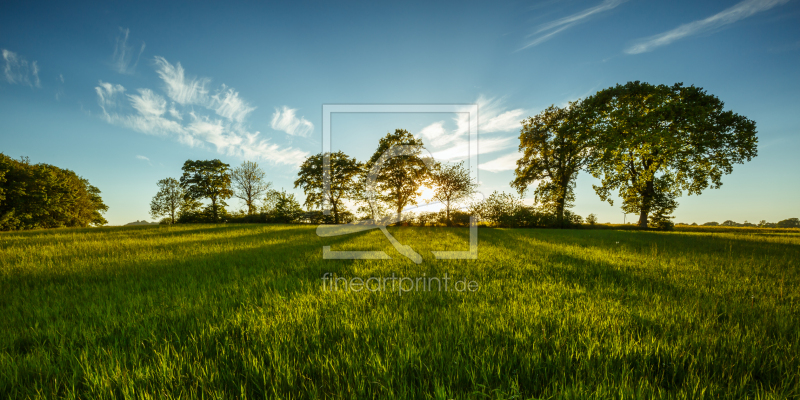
(343, 172)
(168, 201)
(400, 177)
(654, 142)
(555, 144)
(207, 179)
(45, 196)
(249, 183)
(451, 183)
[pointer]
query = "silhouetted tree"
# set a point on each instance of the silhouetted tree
(399, 179)
(451, 184)
(556, 144)
(343, 172)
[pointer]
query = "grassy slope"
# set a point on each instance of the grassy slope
(230, 311)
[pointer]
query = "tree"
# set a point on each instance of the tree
(497, 208)
(249, 184)
(556, 145)
(343, 171)
(287, 208)
(400, 177)
(451, 183)
(269, 201)
(789, 223)
(45, 196)
(591, 219)
(207, 179)
(654, 142)
(371, 206)
(168, 201)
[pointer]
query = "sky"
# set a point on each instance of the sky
(124, 93)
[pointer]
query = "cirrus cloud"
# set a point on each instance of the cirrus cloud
(728, 16)
(285, 119)
(213, 120)
(19, 70)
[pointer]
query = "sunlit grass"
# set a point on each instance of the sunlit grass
(240, 311)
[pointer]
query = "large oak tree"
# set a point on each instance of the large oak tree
(654, 142)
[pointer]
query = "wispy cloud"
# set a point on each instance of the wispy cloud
(123, 60)
(107, 95)
(728, 16)
(285, 120)
(494, 117)
(18, 70)
(143, 158)
(460, 150)
(217, 120)
(507, 162)
(179, 88)
(546, 31)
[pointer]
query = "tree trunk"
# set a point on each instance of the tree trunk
(335, 213)
(399, 214)
(214, 208)
(560, 214)
(647, 198)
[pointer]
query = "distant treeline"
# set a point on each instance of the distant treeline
(786, 223)
(45, 196)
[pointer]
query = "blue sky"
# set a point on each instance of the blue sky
(123, 94)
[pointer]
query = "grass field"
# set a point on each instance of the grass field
(240, 311)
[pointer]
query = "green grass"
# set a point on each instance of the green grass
(240, 311)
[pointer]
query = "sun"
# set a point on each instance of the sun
(426, 193)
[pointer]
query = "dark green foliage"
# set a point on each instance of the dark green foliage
(506, 210)
(452, 184)
(207, 179)
(318, 217)
(789, 223)
(556, 144)
(45, 196)
(401, 177)
(343, 172)
(287, 209)
(169, 200)
(654, 142)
